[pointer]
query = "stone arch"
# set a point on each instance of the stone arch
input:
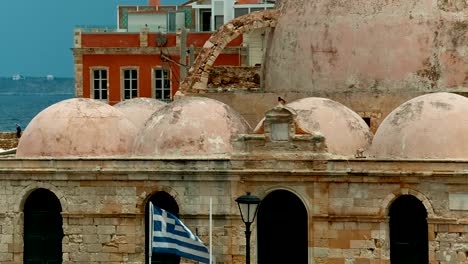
(147, 196)
(276, 243)
(300, 195)
(197, 77)
(387, 202)
(25, 192)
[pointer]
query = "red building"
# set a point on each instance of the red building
(147, 55)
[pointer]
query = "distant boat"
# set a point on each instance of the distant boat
(17, 77)
(50, 77)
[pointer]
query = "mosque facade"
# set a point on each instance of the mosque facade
(333, 189)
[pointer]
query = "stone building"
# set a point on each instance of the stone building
(334, 189)
(78, 188)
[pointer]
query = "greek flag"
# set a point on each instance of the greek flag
(170, 235)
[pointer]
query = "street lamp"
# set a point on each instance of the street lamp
(248, 206)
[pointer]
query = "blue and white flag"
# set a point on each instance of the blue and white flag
(170, 235)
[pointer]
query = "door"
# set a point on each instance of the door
(43, 231)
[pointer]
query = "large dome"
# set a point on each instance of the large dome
(138, 110)
(345, 131)
(77, 127)
(432, 126)
(327, 47)
(190, 126)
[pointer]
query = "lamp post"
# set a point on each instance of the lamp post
(248, 206)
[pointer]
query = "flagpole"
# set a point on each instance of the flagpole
(211, 230)
(150, 232)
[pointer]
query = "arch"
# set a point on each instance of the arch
(146, 197)
(300, 195)
(25, 192)
(389, 199)
(43, 231)
(408, 231)
(282, 229)
(163, 200)
(197, 77)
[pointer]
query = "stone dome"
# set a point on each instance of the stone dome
(326, 46)
(432, 126)
(345, 131)
(190, 126)
(77, 127)
(138, 110)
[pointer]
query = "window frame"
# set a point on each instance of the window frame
(92, 81)
(153, 83)
(123, 79)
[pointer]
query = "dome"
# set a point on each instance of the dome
(138, 110)
(326, 46)
(345, 131)
(190, 126)
(77, 127)
(432, 126)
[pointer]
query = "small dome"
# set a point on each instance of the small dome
(432, 126)
(138, 110)
(77, 127)
(190, 126)
(345, 131)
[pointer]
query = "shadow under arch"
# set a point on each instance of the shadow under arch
(282, 229)
(43, 231)
(389, 199)
(163, 200)
(408, 226)
(25, 192)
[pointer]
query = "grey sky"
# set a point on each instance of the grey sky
(36, 36)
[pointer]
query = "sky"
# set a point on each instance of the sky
(37, 36)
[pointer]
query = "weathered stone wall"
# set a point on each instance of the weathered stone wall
(347, 204)
(8, 140)
(372, 46)
(234, 77)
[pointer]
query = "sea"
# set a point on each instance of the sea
(22, 102)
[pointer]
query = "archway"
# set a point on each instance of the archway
(164, 201)
(282, 229)
(43, 230)
(408, 231)
(197, 77)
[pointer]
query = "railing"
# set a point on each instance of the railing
(97, 28)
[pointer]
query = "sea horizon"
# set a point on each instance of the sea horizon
(21, 100)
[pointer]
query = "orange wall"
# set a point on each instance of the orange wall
(103, 40)
(110, 40)
(145, 63)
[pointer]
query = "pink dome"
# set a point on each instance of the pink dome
(191, 126)
(77, 127)
(138, 110)
(345, 131)
(432, 126)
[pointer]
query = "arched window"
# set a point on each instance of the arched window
(408, 231)
(43, 230)
(282, 229)
(164, 201)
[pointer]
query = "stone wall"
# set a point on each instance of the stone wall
(347, 203)
(234, 77)
(8, 140)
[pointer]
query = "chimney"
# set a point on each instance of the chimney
(154, 2)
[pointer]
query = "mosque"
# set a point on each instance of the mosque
(365, 163)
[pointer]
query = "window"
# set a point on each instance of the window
(219, 21)
(162, 85)
(130, 83)
(240, 12)
(205, 20)
(255, 9)
(100, 84)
